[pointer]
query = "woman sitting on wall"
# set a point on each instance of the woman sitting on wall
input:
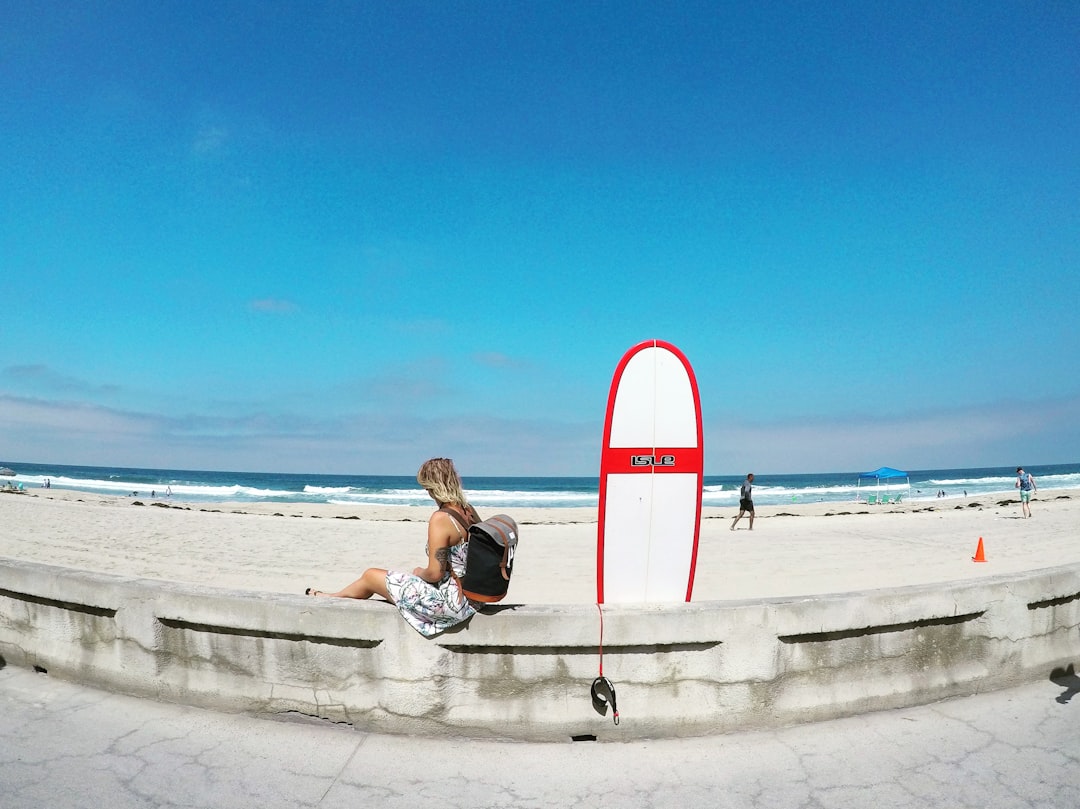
(430, 597)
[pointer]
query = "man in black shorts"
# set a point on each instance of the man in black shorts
(746, 503)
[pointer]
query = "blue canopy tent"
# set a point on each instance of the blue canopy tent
(885, 473)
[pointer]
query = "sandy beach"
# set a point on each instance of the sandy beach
(796, 550)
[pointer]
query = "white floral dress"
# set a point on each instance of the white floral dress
(432, 608)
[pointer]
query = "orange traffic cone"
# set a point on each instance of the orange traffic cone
(979, 556)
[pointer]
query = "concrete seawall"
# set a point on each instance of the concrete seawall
(524, 672)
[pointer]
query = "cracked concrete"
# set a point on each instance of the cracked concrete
(525, 672)
(68, 746)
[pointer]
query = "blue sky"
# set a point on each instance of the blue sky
(345, 237)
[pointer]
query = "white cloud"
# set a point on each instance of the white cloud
(42, 378)
(392, 442)
(495, 359)
(996, 434)
(273, 306)
(209, 140)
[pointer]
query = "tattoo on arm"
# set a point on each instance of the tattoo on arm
(442, 555)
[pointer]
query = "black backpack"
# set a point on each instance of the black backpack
(490, 560)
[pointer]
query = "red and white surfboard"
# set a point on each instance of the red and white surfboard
(650, 479)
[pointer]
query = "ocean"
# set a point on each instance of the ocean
(507, 493)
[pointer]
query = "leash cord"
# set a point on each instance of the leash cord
(600, 701)
(598, 609)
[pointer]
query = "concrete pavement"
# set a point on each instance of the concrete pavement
(65, 746)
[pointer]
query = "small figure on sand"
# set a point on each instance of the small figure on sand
(746, 502)
(1026, 484)
(430, 598)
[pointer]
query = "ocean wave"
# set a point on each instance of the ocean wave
(507, 493)
(177, 489)
(985, 481)
(478, 497)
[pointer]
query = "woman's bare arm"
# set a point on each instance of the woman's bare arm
(440, 537)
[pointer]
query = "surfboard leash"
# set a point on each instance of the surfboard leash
(602, 691)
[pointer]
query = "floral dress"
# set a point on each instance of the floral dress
(432, 608)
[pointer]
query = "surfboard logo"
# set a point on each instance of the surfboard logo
(652, 460)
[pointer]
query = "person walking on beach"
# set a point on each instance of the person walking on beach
(430, 598)
(746, 502)
(1026, 484)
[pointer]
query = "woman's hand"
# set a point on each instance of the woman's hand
(438, 563)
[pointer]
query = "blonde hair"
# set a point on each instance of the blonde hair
(439, 477)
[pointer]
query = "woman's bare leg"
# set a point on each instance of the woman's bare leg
(371, 582)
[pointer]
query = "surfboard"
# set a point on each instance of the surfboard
(650, 479)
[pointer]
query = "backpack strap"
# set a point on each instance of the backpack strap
(463, 527)
(463, 530)
(456, 519)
